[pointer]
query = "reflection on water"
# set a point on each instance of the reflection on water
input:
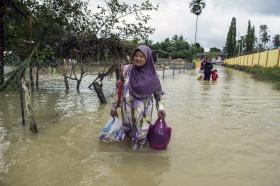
(224, 133)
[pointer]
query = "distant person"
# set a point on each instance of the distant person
(140, 82)
(203, 61)
(206, 66)
(214, 75)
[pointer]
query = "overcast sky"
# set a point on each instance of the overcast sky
(174, 17)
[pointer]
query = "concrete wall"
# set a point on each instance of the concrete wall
(269, 58)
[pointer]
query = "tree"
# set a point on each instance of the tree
(231, 39)
(4, 4)
(248, 46)
(253, 38)
(213, 52)
(110, 20)
(264, 37)
(196, 48)
(196, 7)
(276, 41)
(59, 27)
(250, 38)
(214, 49)
(241, 45)
(177, 46)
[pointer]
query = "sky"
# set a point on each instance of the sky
(174, 17)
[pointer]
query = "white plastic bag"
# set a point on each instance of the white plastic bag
(200, 76)
(113, 131)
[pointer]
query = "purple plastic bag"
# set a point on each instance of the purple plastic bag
(159, 135)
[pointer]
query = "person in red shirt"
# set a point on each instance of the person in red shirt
(214, 75)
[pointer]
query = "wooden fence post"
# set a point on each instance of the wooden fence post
(22, 100)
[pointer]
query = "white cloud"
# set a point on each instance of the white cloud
(174, 17)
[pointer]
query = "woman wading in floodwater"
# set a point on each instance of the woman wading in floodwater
(140, 83)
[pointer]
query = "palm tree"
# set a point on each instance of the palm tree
(264, 37)
(196, 7)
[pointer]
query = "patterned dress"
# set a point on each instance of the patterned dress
(136, 113)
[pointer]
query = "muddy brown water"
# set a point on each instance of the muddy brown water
(224, 133)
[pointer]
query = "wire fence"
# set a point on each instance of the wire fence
(51, 79)
(52, 87)
(166, 71)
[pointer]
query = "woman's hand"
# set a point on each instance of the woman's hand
(114, 113)
(161, 114)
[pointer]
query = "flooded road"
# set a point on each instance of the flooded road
(224, 133)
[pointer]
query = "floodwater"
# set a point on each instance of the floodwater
(224, 133)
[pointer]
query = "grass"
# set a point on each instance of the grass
(271, 73)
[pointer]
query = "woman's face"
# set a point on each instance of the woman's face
(139, 59)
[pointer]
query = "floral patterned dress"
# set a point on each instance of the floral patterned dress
(136, 113)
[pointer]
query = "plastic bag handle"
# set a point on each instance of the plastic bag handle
(161, 120)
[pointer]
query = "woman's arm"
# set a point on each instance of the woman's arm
(159, 97)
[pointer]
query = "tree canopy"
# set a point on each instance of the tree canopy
(197, 6)
(60, 26)
(276, 41)
(178, 47)
(230, 47)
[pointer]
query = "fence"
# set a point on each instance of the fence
(269, 58)
(170, 70)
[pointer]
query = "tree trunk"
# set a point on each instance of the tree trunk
(195, 29)
(29, 108)
(2, 9)
(33, 124)
(99, 92)
(21, 91)
(78, 85)
(37, 77)
(66, 82)
(31, 76)
(64, 70)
